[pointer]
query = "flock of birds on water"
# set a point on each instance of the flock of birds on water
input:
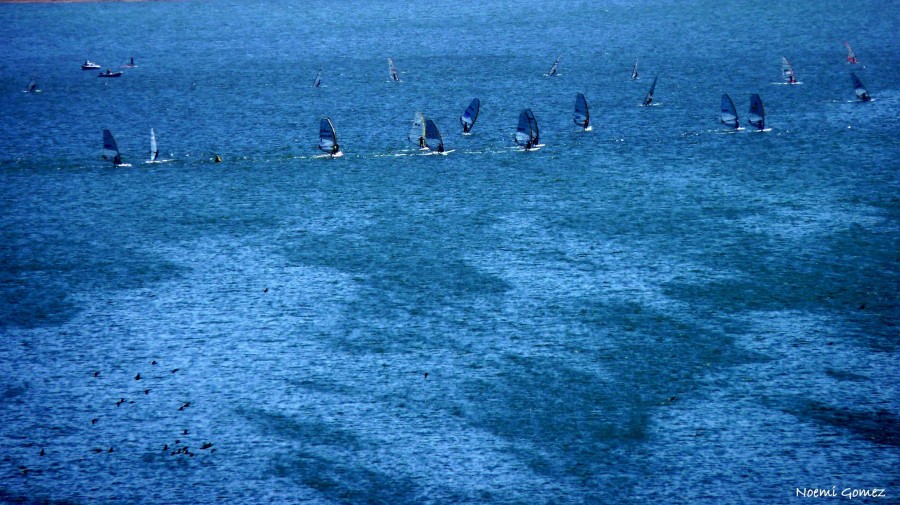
(425, 134)
(178, 446)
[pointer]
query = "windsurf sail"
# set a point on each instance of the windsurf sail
(417, 132)
(32, 86)
(649, 98)
(110, 149)
(634, 72)
(318, 81)
(433, 137)
(555, 67)
(535, 131)
(787, 71)
(395, 76)
(729, 113)
(467, 120)
(327, 137)
(757, 115)
(154, 152)
(851, 56)
(582, 112)
(859, 88)
(524, 134)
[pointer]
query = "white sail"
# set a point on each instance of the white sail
(154, 152)
(555, 67)
(417, 132)
(787, 71)
(634, 72)
(392, 69)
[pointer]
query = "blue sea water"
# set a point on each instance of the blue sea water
(655, 311)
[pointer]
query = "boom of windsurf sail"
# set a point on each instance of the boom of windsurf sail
(729, 115)
(467, 120)
(433, 138)
(555, 67)
(582, 112)
(851, 56)
(787, 71)
(395, 76)
(154, 152)
(634, 72)
(110, 149)
(417, 132)
(859, 88)
(318, 81)
(757, 116)
(327, 138)
(649, 98)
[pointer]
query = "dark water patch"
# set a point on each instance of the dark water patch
(879, 426)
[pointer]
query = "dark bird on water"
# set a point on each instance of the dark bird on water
(426, 375)
(184, 406)
(185, 432)
(165, 447)
(24, 470)
(137, 377)
(174, 370)
(146, 391)
(266, 290)
(97, 373)
(120, 402)
(94, 421)
(205, 446)
(110, 449)
(97, 450)
(862, 307)
(42, 451)
(153, 362)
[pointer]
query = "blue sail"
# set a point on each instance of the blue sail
(433, 138)
(859, 88)
(110, 149)
(523, 129)
(327, 137)
(757, 115)
(467, 120)
(535, 131)
(582, 113)
(318, 81)
(649, 98)
(729, 115)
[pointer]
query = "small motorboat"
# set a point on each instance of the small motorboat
(109, 73)
(89, 65)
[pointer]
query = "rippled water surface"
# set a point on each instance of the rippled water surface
(655, 311)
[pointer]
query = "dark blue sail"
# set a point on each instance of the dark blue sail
(582, 113)
(327, 137)
(729, 116)
(861, 92)
(433, 138)
(757, 116)
(467, 120)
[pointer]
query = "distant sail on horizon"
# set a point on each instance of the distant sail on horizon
(649, 98)
(395, 75)
(757, 116)
(318, 81)
(582, 112)
(467, 120)
(729, 115)
(634, 72)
